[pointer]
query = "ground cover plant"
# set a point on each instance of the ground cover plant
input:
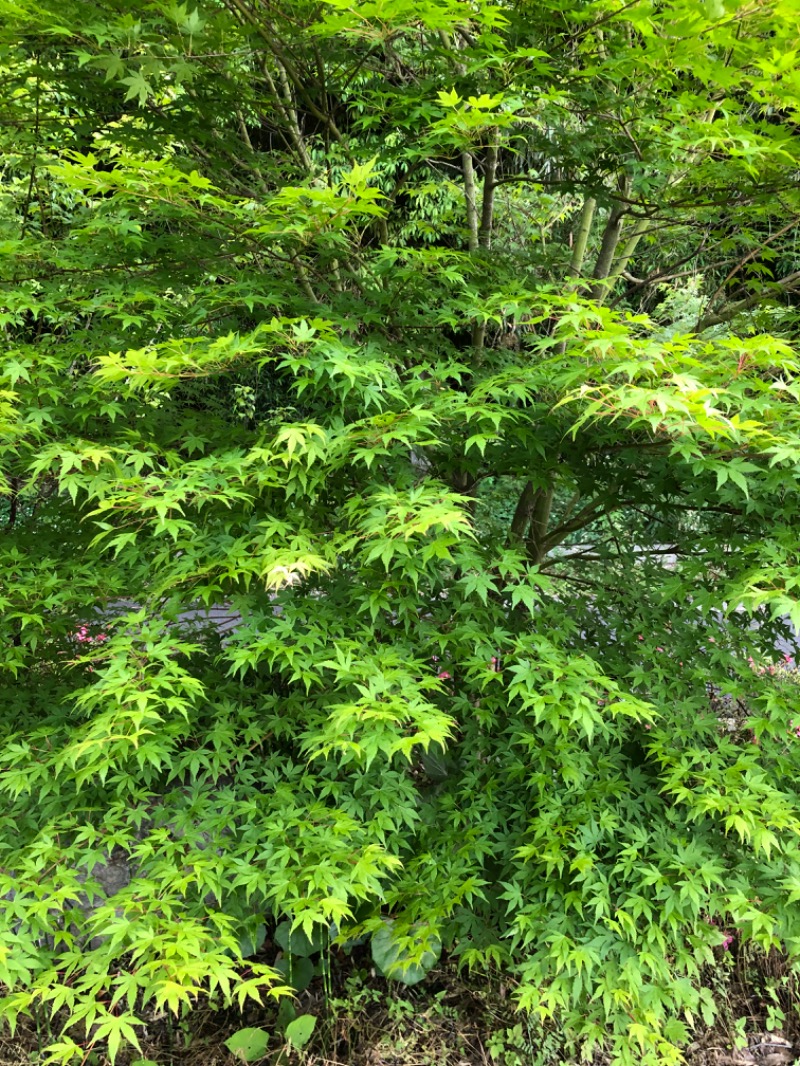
(399, 443)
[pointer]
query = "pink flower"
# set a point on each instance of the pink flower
(712, 640)
(727, 940)
(444, 676)
(787, 658)
(647, 725)
(640, 637)
(659, 649)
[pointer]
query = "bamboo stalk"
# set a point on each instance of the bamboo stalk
(582, 237)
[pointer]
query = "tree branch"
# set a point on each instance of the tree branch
(471, 197)
(751, 255)
(787, 284)
(620, 264)
(522, 513)
(537, 538)
(608, 248)
(487, 207)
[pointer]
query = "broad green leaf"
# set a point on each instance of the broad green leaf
(299, 1031)
(248, 1045)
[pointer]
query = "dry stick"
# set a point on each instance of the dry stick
(267, 121)
(688, 202)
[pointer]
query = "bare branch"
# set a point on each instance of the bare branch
(787, 284)
(751, 255)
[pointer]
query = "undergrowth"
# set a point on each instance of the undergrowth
(452, 1019)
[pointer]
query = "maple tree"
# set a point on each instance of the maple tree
(399, 464)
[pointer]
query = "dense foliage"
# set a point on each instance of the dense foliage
(400, 457)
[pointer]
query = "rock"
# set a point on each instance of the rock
(771, 1049)
(113, 875)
